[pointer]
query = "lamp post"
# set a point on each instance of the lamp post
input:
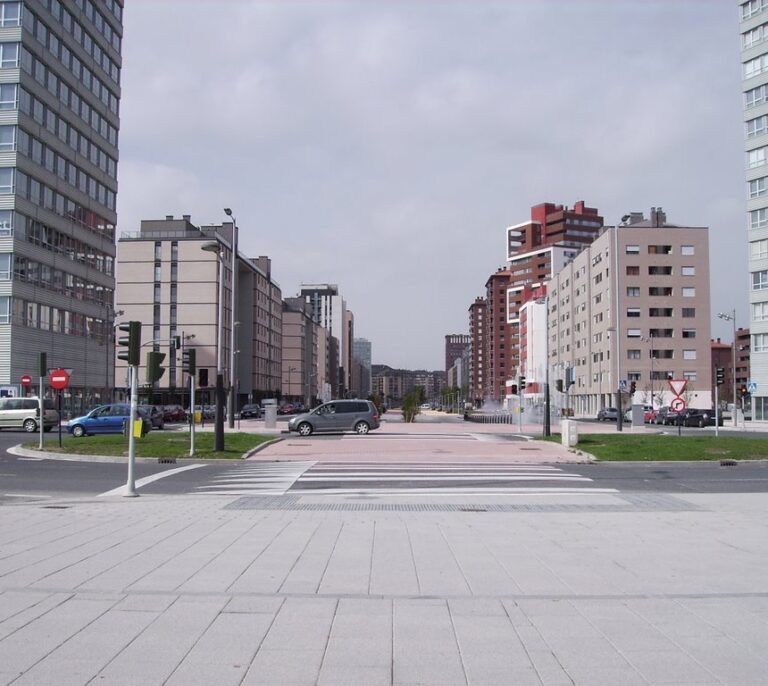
(732, 318)
(233, 301)
(650, 340)
(218, 440)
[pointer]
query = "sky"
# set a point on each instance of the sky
(385, 145)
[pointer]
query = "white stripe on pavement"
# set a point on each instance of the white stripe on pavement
(444, 477)
(149, 479)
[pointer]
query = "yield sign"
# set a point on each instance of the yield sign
(677, 385)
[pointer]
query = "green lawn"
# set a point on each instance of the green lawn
(155, 444)
(617, 448)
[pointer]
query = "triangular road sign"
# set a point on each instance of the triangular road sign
(677, 385)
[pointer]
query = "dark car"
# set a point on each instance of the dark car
(700, 418)
(607, 414)
(251, 411)
(155, 415)
(288, 408)
(174, 413)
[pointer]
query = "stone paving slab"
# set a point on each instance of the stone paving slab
(189, 590)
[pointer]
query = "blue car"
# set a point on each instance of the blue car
(105, 419)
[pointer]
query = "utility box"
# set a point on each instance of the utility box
(569, 432)
(638, 415)
(270, 416)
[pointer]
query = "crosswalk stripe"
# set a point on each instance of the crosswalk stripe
(438, 477)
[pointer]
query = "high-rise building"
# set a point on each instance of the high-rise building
(361, 354)
(60, 68)
(455, 344)
(754, 57)
(477, 333)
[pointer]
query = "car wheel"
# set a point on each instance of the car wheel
(362, 428)
(304, 429)
(30, 426)
(78, 431)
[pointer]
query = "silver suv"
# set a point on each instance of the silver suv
(23, 413)
(360, 416)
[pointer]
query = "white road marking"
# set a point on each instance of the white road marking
(149, 479)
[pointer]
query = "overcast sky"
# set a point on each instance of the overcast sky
(385, 145)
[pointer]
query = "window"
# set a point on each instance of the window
(755, 66)
(752, 7)
(660, 290)
(632, 250)
(633, 354)
(660, 312)
(687, 250)
(758, 250)
(760, 312)
(661, 333)
(633, 376)
(659, 271)
(9, 95)
(633, 312)
(6, 222)
(7, 138)
(689, 354)
(633, 333)
(689, 312)
(5, 309)
(10, 14)
(9, 55)
(758, 187)
(633, 291)
(758, 218)
(689, 376)
(6, 179)
(689, 292)
(5, 266)
(759, 341)
(688, 271)
(760, 280)
(688, 333)
(633, 271)
(756, 157)
(659, 249)
(755, 96)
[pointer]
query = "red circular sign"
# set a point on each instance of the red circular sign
(58, 378)
(678, 404)
(26, 380)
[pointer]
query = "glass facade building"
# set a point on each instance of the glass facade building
(60, 63)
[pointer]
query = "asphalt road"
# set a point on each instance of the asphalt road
(30, 478)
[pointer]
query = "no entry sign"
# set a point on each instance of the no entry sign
(26, 380)
(58, 378)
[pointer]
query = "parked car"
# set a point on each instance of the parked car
(24, 413)
(360, 416)
(174, 413)
(289, 408)
(648, 414)
(155, 415)
(700, 418)
(106, 419)
(667, 416)
(607, 414)
(251, 411)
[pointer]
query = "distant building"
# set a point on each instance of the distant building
(394, 384)
(169, 283)
(455, 345)
(477, 333)
(361, 360)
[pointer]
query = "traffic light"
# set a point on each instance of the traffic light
(559, 385)
(719, 376)
(632, 387)
(132, 342)
(154, 369)
(743, 391)
(42, 364)
(202, 377)
(188, 361)
(569, 377)
(521, 383)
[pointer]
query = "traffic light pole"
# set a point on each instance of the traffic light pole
(130, 486)
(717, 410)
(192, 410)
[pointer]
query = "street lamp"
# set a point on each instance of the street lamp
(218, 441)
(650, 340)
(732, 318)
(233, 299)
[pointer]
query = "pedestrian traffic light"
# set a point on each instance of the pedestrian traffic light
(632, 387)
(188, 361)
(132, 342)
(719, 376)
(202, 377)
(154, 369)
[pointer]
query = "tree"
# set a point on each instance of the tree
(377, 400)
(411, 406)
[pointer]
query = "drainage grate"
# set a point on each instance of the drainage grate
(632, 503)
(55, 507)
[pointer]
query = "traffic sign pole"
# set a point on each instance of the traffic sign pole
(130, 486)
(42, 416)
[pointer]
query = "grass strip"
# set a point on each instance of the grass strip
(628, 448)
(155, 444)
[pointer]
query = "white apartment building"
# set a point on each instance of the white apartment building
(754, 57)
(646, 322)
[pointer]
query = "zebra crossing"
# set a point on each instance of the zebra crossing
(399, 479)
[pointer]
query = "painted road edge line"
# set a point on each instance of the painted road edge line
(149, 479)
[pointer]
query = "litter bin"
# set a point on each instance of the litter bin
(270, 416)
(569, 433)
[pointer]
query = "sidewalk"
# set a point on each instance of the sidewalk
(603, 590)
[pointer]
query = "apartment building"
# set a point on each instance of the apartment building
(754, 58)
(176, 279)
(394, 384)
(300, 353)
(646, 321)
(477, 334)
(60, 65)
(455, 344)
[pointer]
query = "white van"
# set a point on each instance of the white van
(22, 413)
